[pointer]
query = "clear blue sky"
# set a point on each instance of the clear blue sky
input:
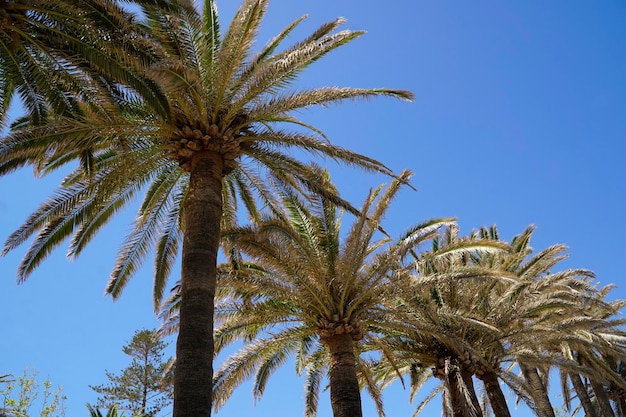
(519, 118)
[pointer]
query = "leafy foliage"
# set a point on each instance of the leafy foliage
(513, 313)
(310, 287)
(25, 396)
(196, 120)
(222, 96)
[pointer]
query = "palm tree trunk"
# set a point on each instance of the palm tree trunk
(463, 404)
(537, 391)
(496, 396)
(583, 395)
(193, 373)
(602, 398)
(468, 380)
(459, 405)
(345, 395)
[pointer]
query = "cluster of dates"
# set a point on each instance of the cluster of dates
(186, 141)
(336, 326)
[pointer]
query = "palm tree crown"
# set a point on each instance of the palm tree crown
(311, 284)
(201, 122)
(518, 314)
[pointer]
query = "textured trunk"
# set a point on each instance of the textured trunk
(496, 396)
(468, 380)
(583, 396)
(459, 405)
(193, 374)
(345, 395)
(602, 398)
(538, 391)
(462, 393)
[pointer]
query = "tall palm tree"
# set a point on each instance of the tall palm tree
(219, 127)
(524, 316)
(315, 295)
(545, 318)
(552, 320)
(616, 391)
(599, 354)
(435, 326)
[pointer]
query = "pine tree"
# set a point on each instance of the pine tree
(140, 388)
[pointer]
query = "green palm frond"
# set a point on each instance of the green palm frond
(364, 368)
(261, 355)
(57, 220)
(310, 273)
(543, 261)
(139, 103)
(280, 104)
(111, 412)
(439, 389)
(209, 44)
(167, 247)
(316, 370)
(45, 47)
(235, 49)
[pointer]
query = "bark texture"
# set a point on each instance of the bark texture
(462, 393)
(602, 398)
(583, 396)
(537, 391)
(193, 375)
(345, 395)
(494, 393)
(468, 380)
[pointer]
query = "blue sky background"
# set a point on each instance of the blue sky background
(519, 119)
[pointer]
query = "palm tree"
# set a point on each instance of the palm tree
(546, 319)
(522, 316)
(440, 329)
(313, 294)
(599, 349)
(25, 61)
(551, 321)
(616, 391)
(219, 127)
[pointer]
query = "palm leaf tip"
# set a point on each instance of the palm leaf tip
(405, 95)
